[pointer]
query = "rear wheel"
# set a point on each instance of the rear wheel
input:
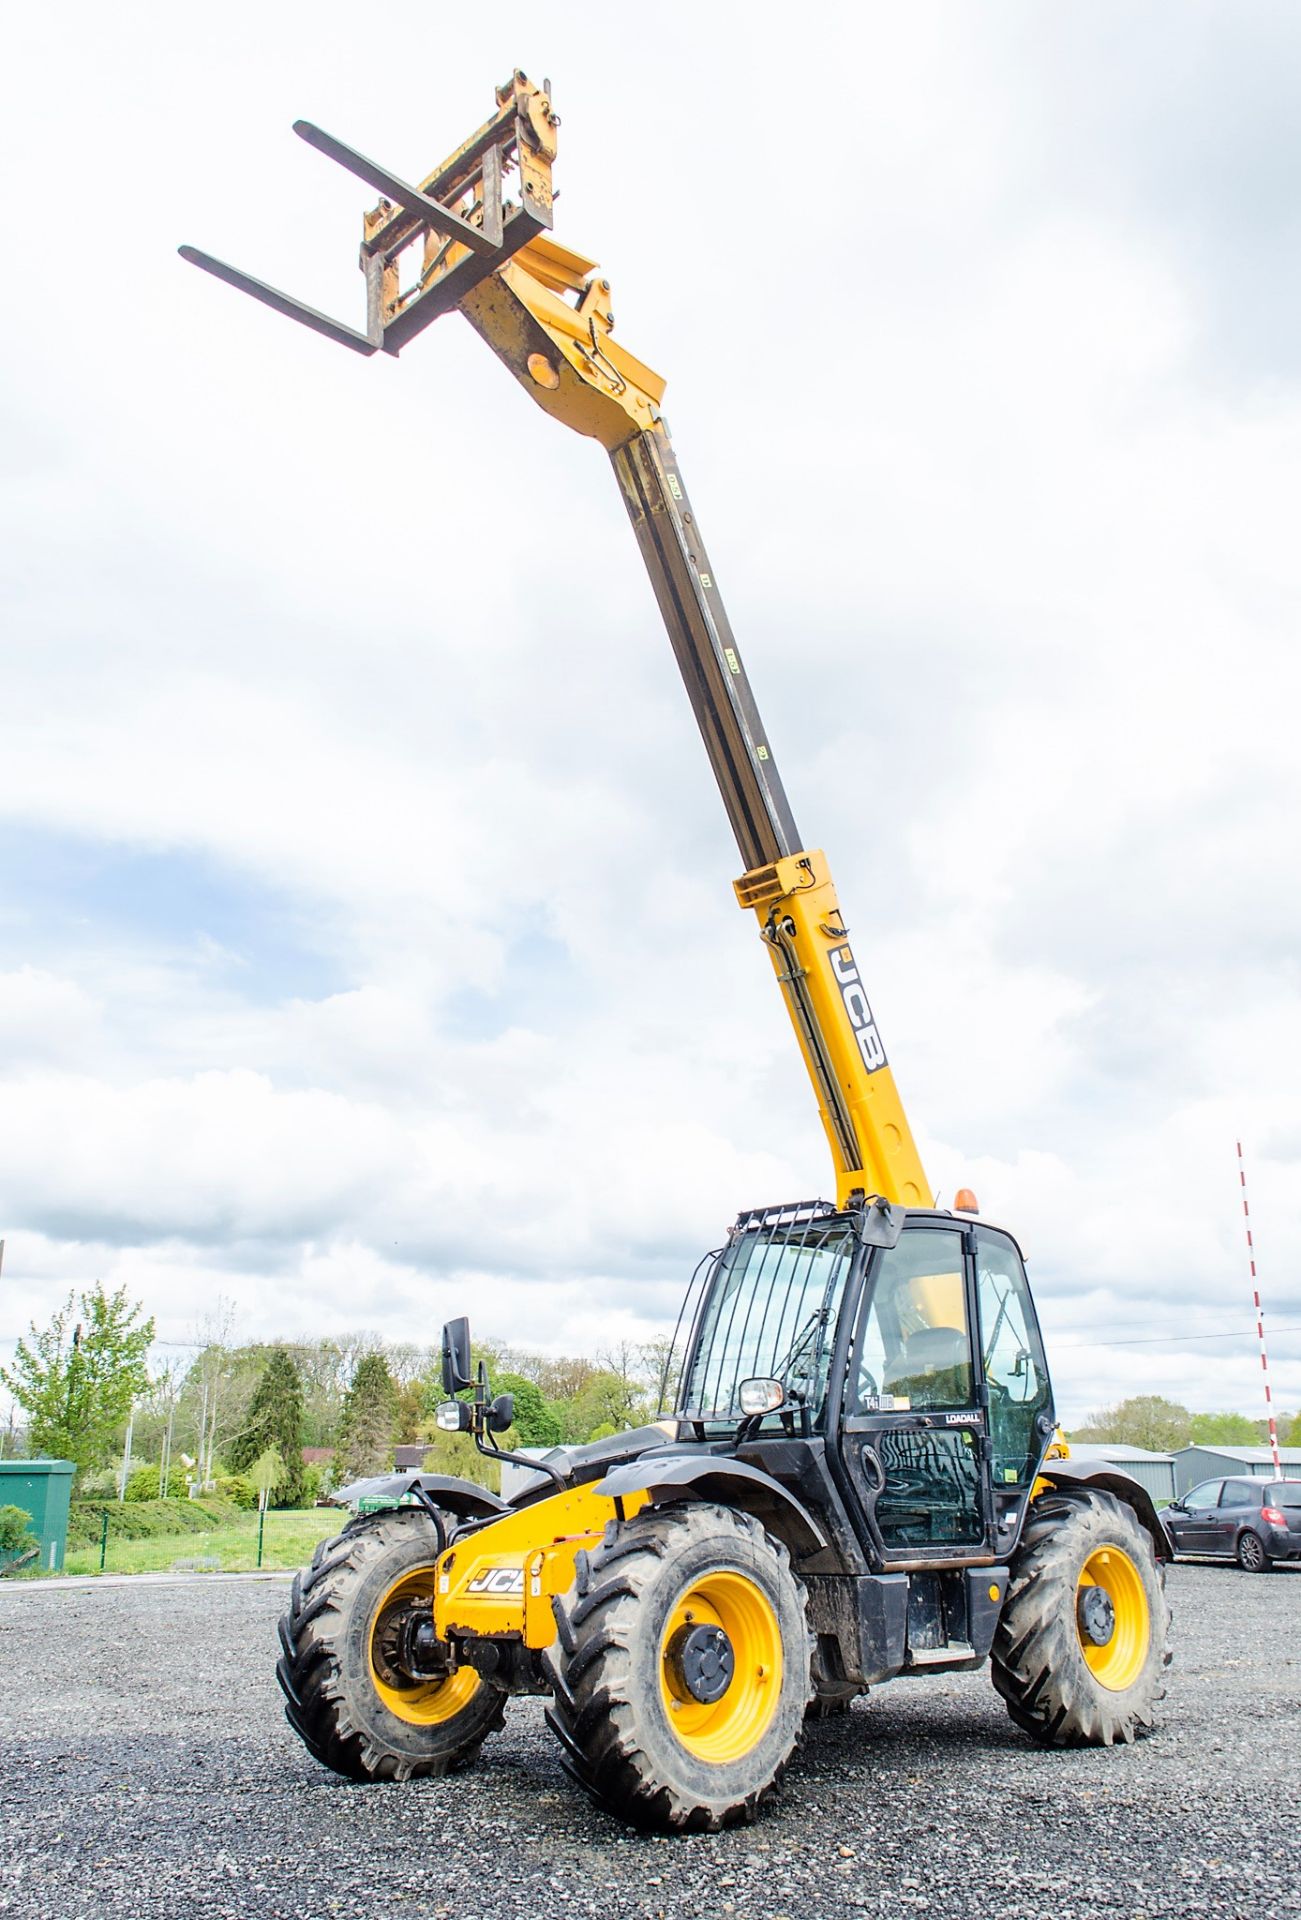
(347, 1693)
(681, 1671)
(1081, 1648)
(1252, 1557)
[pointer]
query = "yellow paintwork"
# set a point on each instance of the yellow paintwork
(728, 1728)
(1118, 1665)
(602, 390)
(501, 1581)
(871, 1142)
(438, 1700)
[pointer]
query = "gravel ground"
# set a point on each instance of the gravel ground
(147, 1771)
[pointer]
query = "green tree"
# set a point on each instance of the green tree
(77, 1378)
(456, 1455)
(274, 1419)
(537, 1424)
(1225, 1430)
(608, 1400)
(1147, 1420)
(267, 1473)
(369, 1425)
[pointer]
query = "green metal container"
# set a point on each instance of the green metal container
(43, 1488)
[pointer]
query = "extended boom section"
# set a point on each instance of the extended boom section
(455, 241)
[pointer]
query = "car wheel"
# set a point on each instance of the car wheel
(1252, 1557)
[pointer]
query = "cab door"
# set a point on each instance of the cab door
(914, 1437)
(1017, 1392)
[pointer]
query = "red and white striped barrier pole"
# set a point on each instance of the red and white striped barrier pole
(1260, 1316)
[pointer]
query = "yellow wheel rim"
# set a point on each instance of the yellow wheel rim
(731, 1726)
(424, 1703)
(1118, 1664)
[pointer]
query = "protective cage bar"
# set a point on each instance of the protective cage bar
(457, 212)
(768, 1309)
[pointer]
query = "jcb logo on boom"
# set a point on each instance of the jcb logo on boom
(498, 1580)
(845, 968)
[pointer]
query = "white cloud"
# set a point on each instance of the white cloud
(1002, 505)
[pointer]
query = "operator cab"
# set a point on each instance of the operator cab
(906, 1341)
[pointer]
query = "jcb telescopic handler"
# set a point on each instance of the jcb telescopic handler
(860, 1477)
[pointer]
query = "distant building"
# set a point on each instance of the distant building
(1155, 1471)
(1195, 1464)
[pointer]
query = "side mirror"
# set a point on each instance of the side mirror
(457, 1375)
(501, 1414)
(879, 1222)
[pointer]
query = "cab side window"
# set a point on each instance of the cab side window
(1203, 1496)
(1016, 1373)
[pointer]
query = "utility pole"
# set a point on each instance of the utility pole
(203, 1431)
(126, 1457)
(165, 1467)
(1260, 1317)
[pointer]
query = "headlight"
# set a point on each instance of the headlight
(760, 1396)
(452, 1416)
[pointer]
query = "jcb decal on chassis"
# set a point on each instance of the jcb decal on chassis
(498, 1580)
(845, 968)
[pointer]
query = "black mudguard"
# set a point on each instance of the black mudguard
(1071, 1473)
(727, 1483)
(461, 1497)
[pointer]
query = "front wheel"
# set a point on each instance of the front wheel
(1252, 1557)
(1081, 1648)
(347, 1693)
(682, 1668)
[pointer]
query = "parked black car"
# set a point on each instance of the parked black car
(1254, 1522)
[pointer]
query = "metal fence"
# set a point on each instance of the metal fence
(241, 1543)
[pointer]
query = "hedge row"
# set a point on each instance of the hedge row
(144, 1519)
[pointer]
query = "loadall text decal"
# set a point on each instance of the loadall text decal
(845, 968)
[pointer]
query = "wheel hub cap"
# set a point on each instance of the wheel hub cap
(701, 1663)
(1097, 1615)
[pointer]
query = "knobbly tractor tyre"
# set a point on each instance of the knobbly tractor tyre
(682, 1668)
(344, 1695)
(1082, 1644)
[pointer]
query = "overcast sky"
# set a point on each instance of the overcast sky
(367, 944)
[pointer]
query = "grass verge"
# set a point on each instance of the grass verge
(288, 1541)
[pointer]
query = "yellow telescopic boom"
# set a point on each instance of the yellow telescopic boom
(547, 313)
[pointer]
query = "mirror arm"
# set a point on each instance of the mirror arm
(563, 1481)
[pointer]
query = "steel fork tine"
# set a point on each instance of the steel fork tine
(281, 302)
